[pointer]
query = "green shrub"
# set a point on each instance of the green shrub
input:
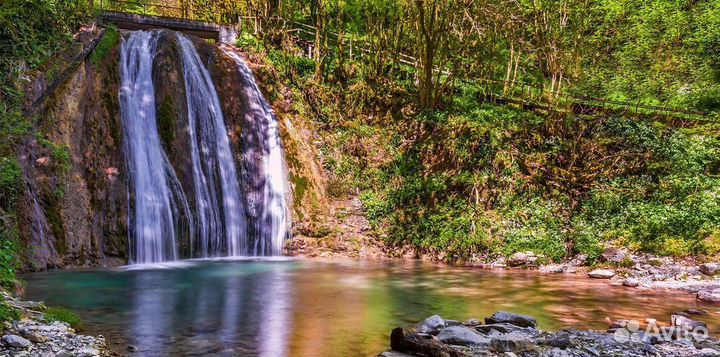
(8, 313)
(64, 315)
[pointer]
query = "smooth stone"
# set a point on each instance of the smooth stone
(518, 259)
(514, 319)
(472, 322)
(16, 341)
(88, 352)
(631, 282)
(692, 311)
(710, 268)
(431, 325)
(614, 255)
(449, 323)
(463, 336)
(33, 336)
(512, 342)
(709, 296)
(394, 354)
(552, 269)
(64, 353)
(685, 322)
(708, 352)
(601, 274)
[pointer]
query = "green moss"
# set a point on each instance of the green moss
(64, 315)
(110, 39)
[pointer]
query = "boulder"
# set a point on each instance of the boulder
(601, 274)
(512, 342)
(685, 322)
(614, 255)
(710, 268)
(16, 341)
(514, 319)
(709, 296)
(463, 336)
(518, 259)
(432, 325)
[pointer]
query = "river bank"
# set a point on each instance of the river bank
(509, 334)
(32, 334)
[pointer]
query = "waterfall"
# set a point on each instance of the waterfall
(224, 219)
(156, 199)
(271, 223)
(213, 162)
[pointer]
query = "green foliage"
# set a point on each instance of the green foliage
(64, 315)
(7, 313)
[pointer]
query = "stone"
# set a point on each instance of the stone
(88, 352)
(709, 296)
(559, 340)
(710, 268)
(517, 259)
(33, 336)
(432, 325)
(394, 354)
(552, 269)
(449, 323)
(16, 341)
(631, 282)
(511, 342)
(614, 255)
(708, 352)
(500, 327)
(692, 311)
(472, 322)
(463, 336)
(601, 274)
(514, 319)
(64, 353)
(685, 322)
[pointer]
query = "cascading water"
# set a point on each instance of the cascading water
(223, 220)
(270, 224)
(157, 201)
(213, 162)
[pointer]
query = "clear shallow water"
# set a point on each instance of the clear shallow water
(289, 307)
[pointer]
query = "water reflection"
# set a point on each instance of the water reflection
(304, 308)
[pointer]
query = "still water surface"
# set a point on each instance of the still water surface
(311, 308)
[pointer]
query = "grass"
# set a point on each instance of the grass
(64, 315)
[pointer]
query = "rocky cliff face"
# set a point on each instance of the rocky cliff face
(75, 209)
(75, 205)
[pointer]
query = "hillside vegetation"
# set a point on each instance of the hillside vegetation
(458, 177)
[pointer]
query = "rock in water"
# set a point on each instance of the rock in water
(432, 325)
(631, 282)
(709, 296)
(601, 274)
(459, 335)
(710, 268)
(514, 319)
(686, 323)
(16, 341)
(512, 342)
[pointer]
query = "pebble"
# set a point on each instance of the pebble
(601, 274)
